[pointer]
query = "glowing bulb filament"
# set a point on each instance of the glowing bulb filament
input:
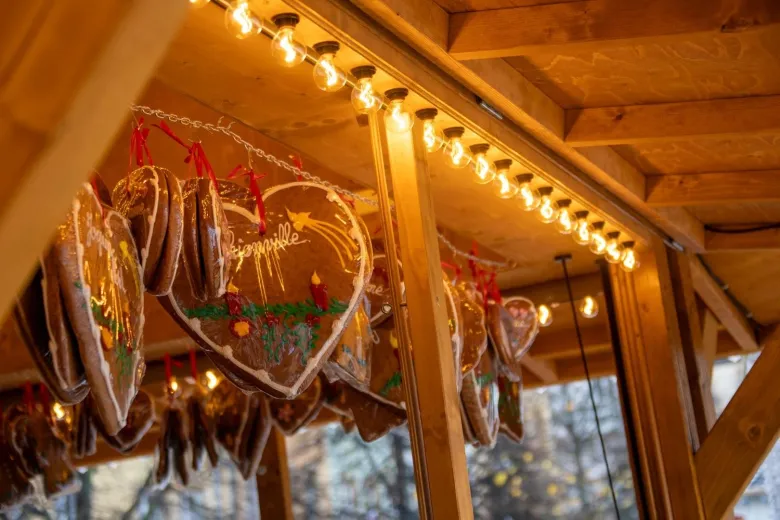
(504, 183)
(58, 410)
(241, 16)
(330, 72)
(457, 153)
(429, 135)
(582, 232)
(599, 243)
(629, 260)
(286, 44)
(547, 210)
(174, 385)
(589, 308)
(367, 95)
(544, 315)
(483, 167)
(401, 119)
(211, 380)
(564, 221)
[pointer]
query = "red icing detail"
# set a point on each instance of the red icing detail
(319, 292)
(43, 394)
(271, 319)
(168, 370)
(233, 301)
(312, 320)
(455, 268)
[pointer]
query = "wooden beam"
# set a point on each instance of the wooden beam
(713, 188)
(562, 343)
(763, 240)
(743, 435)
(52, 134)
(554, 291)
(273, 479)
(571, 369)
(105, 454)
(544, 370)
(589, 24)
(672, 121)
(722, 307)
(649, 354)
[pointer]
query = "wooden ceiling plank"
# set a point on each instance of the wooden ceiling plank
(763, 240)
(743, 435)
(563, 343)
(53, 133)
(544, 370)
(713, 188)
(637, 124)
(590, 24)
(722, 307)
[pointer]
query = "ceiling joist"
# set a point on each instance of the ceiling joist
(713, 188)
(585, 24)
(762, 240)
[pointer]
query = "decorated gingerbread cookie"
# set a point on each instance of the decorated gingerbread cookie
(169, 260)
(468, 431)
(454, 320)
(83, 432)
(374, 419)
(480, 399)
(230, 408)
(499, 327)
(378, 291)
(15, 486)
(386, 376)
(510, 408)
(140, 420)
(254, 436)
(291, 293)
(202, 431)
(525, 325)
(351, 360)
(215, 239)
(290, 415)
(473, 326)
(19, 443)
(102, 289)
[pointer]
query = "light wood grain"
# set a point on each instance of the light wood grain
(744, 433)
(763, 240)
(273, 479)
(714, 188)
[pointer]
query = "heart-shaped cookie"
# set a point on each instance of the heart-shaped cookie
(351, 359)
(83, 432)
(473, 326)
(102, 288)
(499, 327)
(51, 453)
(468, 431)
(480, 399)
(202, 430)
(525, 325)
(378, 290)
(510, 408)
(140, 420)
(290, 415)
(386, 384)
(374, 419)
(15, 486)
(454, 320)
(292, 291)
(254, 436)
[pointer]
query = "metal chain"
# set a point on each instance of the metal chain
(226, 130)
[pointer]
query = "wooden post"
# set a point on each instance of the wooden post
(650, 359)
(273, 480)
(446, 493)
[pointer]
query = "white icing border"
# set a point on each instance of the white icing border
(53, 346)
(358, 283)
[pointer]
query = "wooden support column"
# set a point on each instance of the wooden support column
(273, 480)
(650, 364)
(444, 457)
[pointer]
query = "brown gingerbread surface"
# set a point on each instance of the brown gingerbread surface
(473, 326)
(510, 408)
(290, 415)
(102, 289)
(169, 260)
(351, 359)
(215, 238)
(454, 320)
(499, 327)
(386, 375)
(140, 420)
(255, 436)
(378, 290)
(291, 293)
(480, 399)
(525, 325)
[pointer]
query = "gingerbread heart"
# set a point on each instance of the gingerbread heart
(351, 360)
(140, 420)
(510, 408)
(292, 291)
(230, 409)
(84, 432)
(468, 431)
(255, 436)
(473, 326)
(202, 431)
(499, 327)
(525, 325)
(290, 415)
(455, 320)
(169, 260)
(378, 290)
(102, 288)
(480, 399)
(386, 384)
(374, 419)
(15, 486)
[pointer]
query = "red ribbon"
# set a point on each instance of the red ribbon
(495, 293)
(138, 145)
(255, 189)
(43, 394)
(193, 366)
(29, 397)
(455, 268)
(298, 164)
(196, 157)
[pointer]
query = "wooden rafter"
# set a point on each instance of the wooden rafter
(722, 307)
(762, 240)
(53, 133)
(670, 121)
(743, 435)
(274, 491)
(588, 24)
(713, 188)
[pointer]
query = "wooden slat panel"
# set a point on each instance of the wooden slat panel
(589, 23)
(743, 435)
(764, 240)
(713, 188)
(563, 343)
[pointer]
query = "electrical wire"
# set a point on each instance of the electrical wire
(562, 259)
(741, 230)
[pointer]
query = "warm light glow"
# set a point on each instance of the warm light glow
(327, 76)
(598, 243)
(529, 197)
(240, 20)
(211, 379)
(458, 156)
(431, 136)
(564, 223)
(628, 259)
(58, 410)
(174, 385)
(582, 229)
(364, 99)
(197, 4)
(589, 308)
(613, 250)
(483, 172)
(287, 51)
(503, 185)
(544, 315)
(548, 210)
(397, 120)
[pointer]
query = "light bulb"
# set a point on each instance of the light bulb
(197, 4)
(431, 136)
(628, 260)
(458, 157)
(284, 47)
(548, 210)
(503, 185)
(582, 229)
(598, 242)
(528, 197)
(327, 76)
(613, 250)
(544, 315)
(397, 120)
(483, 172)
(240, 21)
(174, 385)
(211, 379)
(58, 410)
(364, 98)
(588, 307)
(565, 221)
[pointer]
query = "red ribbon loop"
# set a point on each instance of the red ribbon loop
(455, 268)
(43, 395)
(138, 146)
(255, 189)
(196, 156)
(298, 164)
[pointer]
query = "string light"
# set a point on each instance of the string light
(582, 230)
(503, 185)
(58, 410)
(327, 76)
(588, 307)
(364, 99)
(211, 379)
(613, 250)
(483, 173)
(628, 259)
(284, 47)
(431, 136)
(528, 197)
(548, 210)
(457, 154)
(397, 120)
(197, 4)
(174, 385)
(598, 242)
(544, 315)
(564, 223)
(240, 20)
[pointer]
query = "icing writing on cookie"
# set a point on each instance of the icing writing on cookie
(333, 234)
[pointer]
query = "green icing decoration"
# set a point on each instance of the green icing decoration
(393, 382)
(485, 379)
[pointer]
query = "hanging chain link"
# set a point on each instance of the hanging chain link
(294, 170)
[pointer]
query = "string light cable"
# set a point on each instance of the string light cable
(227, 131)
